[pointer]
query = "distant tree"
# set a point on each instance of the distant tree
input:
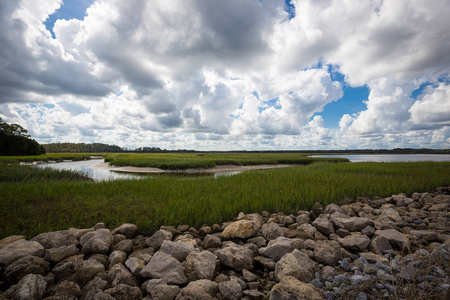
(15, 140)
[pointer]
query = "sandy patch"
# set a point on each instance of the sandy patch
(218, 169)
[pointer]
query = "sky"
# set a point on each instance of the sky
(228, 74)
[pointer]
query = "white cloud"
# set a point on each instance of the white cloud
(434, 107)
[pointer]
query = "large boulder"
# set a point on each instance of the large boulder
(324, 225)
(119, 274)
(243, 229)
(178, 250)
(291, 288)
(127, 229)
(55, 255)
(56, 239)
(156, 240)
(200, 265)
(296, 264)
(10, 239)
(86, 270)
(357, 242)
(98, 241)
(327, 252)
(271, 231)
(163, 265)
(31, 287)
(236, 257)
(19, 249)
(396, 238)
(24, 266)
(277, 248)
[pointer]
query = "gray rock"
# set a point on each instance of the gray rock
(67, 267)
(78, 233)
(135, 265)
(86, 270)
(98, 241)
(156, 240)
(236, 257)
(253, 294)
(55, 255)
(97, 294)
(163, 265)
(230, 290)
(244, 228)
(295, 264)
(10, 239)
(211, 241)
(124, 292)
(379, 244)
(24, 266)
(271, 231)
(291, 288)
(199, 289)
(30, 287)
(323, 225)
(264, 262)
(65, 290)
(178, 250)
(101, 258)
(355, 242)
(144, 254)
(369, 231)
(127, 229)
(258, 241)
(116, 257)
(277, 248)
(165, 292)
(327, 252)
(200, 265)
(152, 283)
(96, 283)
(248, 276)
(391, 214)
(395, 237)
(125, 246)
(427, 235)
(120, 275)
(56, 239)
(19, 249)
(345, 265)
(328, 272)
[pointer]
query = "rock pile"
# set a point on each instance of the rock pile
(367, 249)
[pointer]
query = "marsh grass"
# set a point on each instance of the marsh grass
(46, 157)
(32, 207)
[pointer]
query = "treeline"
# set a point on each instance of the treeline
(102, 148)
(358, 151)
(15, 141)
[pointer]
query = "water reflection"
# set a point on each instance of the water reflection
(390, 157)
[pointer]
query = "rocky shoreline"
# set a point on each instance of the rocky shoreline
(396, 247)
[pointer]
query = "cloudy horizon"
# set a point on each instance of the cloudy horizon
(228, 75)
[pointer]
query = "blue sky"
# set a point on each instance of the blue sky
(228, 75)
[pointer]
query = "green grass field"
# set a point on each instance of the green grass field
(31, 203)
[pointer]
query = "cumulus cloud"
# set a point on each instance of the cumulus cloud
(227, 74)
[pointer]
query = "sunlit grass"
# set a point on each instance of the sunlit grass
(35, 206)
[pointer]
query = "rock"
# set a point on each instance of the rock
(392, 214)
(355, 242)
(271, 231)
(277, 248)
(372, 257)
(291, 288)
(55, 255)
(200, 265)
(97, 294)
(328, 272)
(295, 264)
(56, 239)
(124, 292)
(379, 244)
(124, 246)
(178, 250)
(243, 229)
(24, 266)
(327, 253)
(248, 276)
(369, 231)
(127, 229)
(230, 290)
(98, 241)
(163, 265)
(86, 270)
(211, 241)
(264, 262)
(199, 289)
(323, 225)
(120, 275)
(236, 257)
(353, 223)
(65, 290)
(165, 292)
(10, 239)
(258, 241)
(67, 266)
(156, 240)
(144, 254)
(96, 283)
(30, 287)
(427, 235)
(135, 265)
(116, 257)
(78, 233)
(395, 237)
(253, 294)
(19, 249)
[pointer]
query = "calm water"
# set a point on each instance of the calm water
(390, 157)
(86, 166)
